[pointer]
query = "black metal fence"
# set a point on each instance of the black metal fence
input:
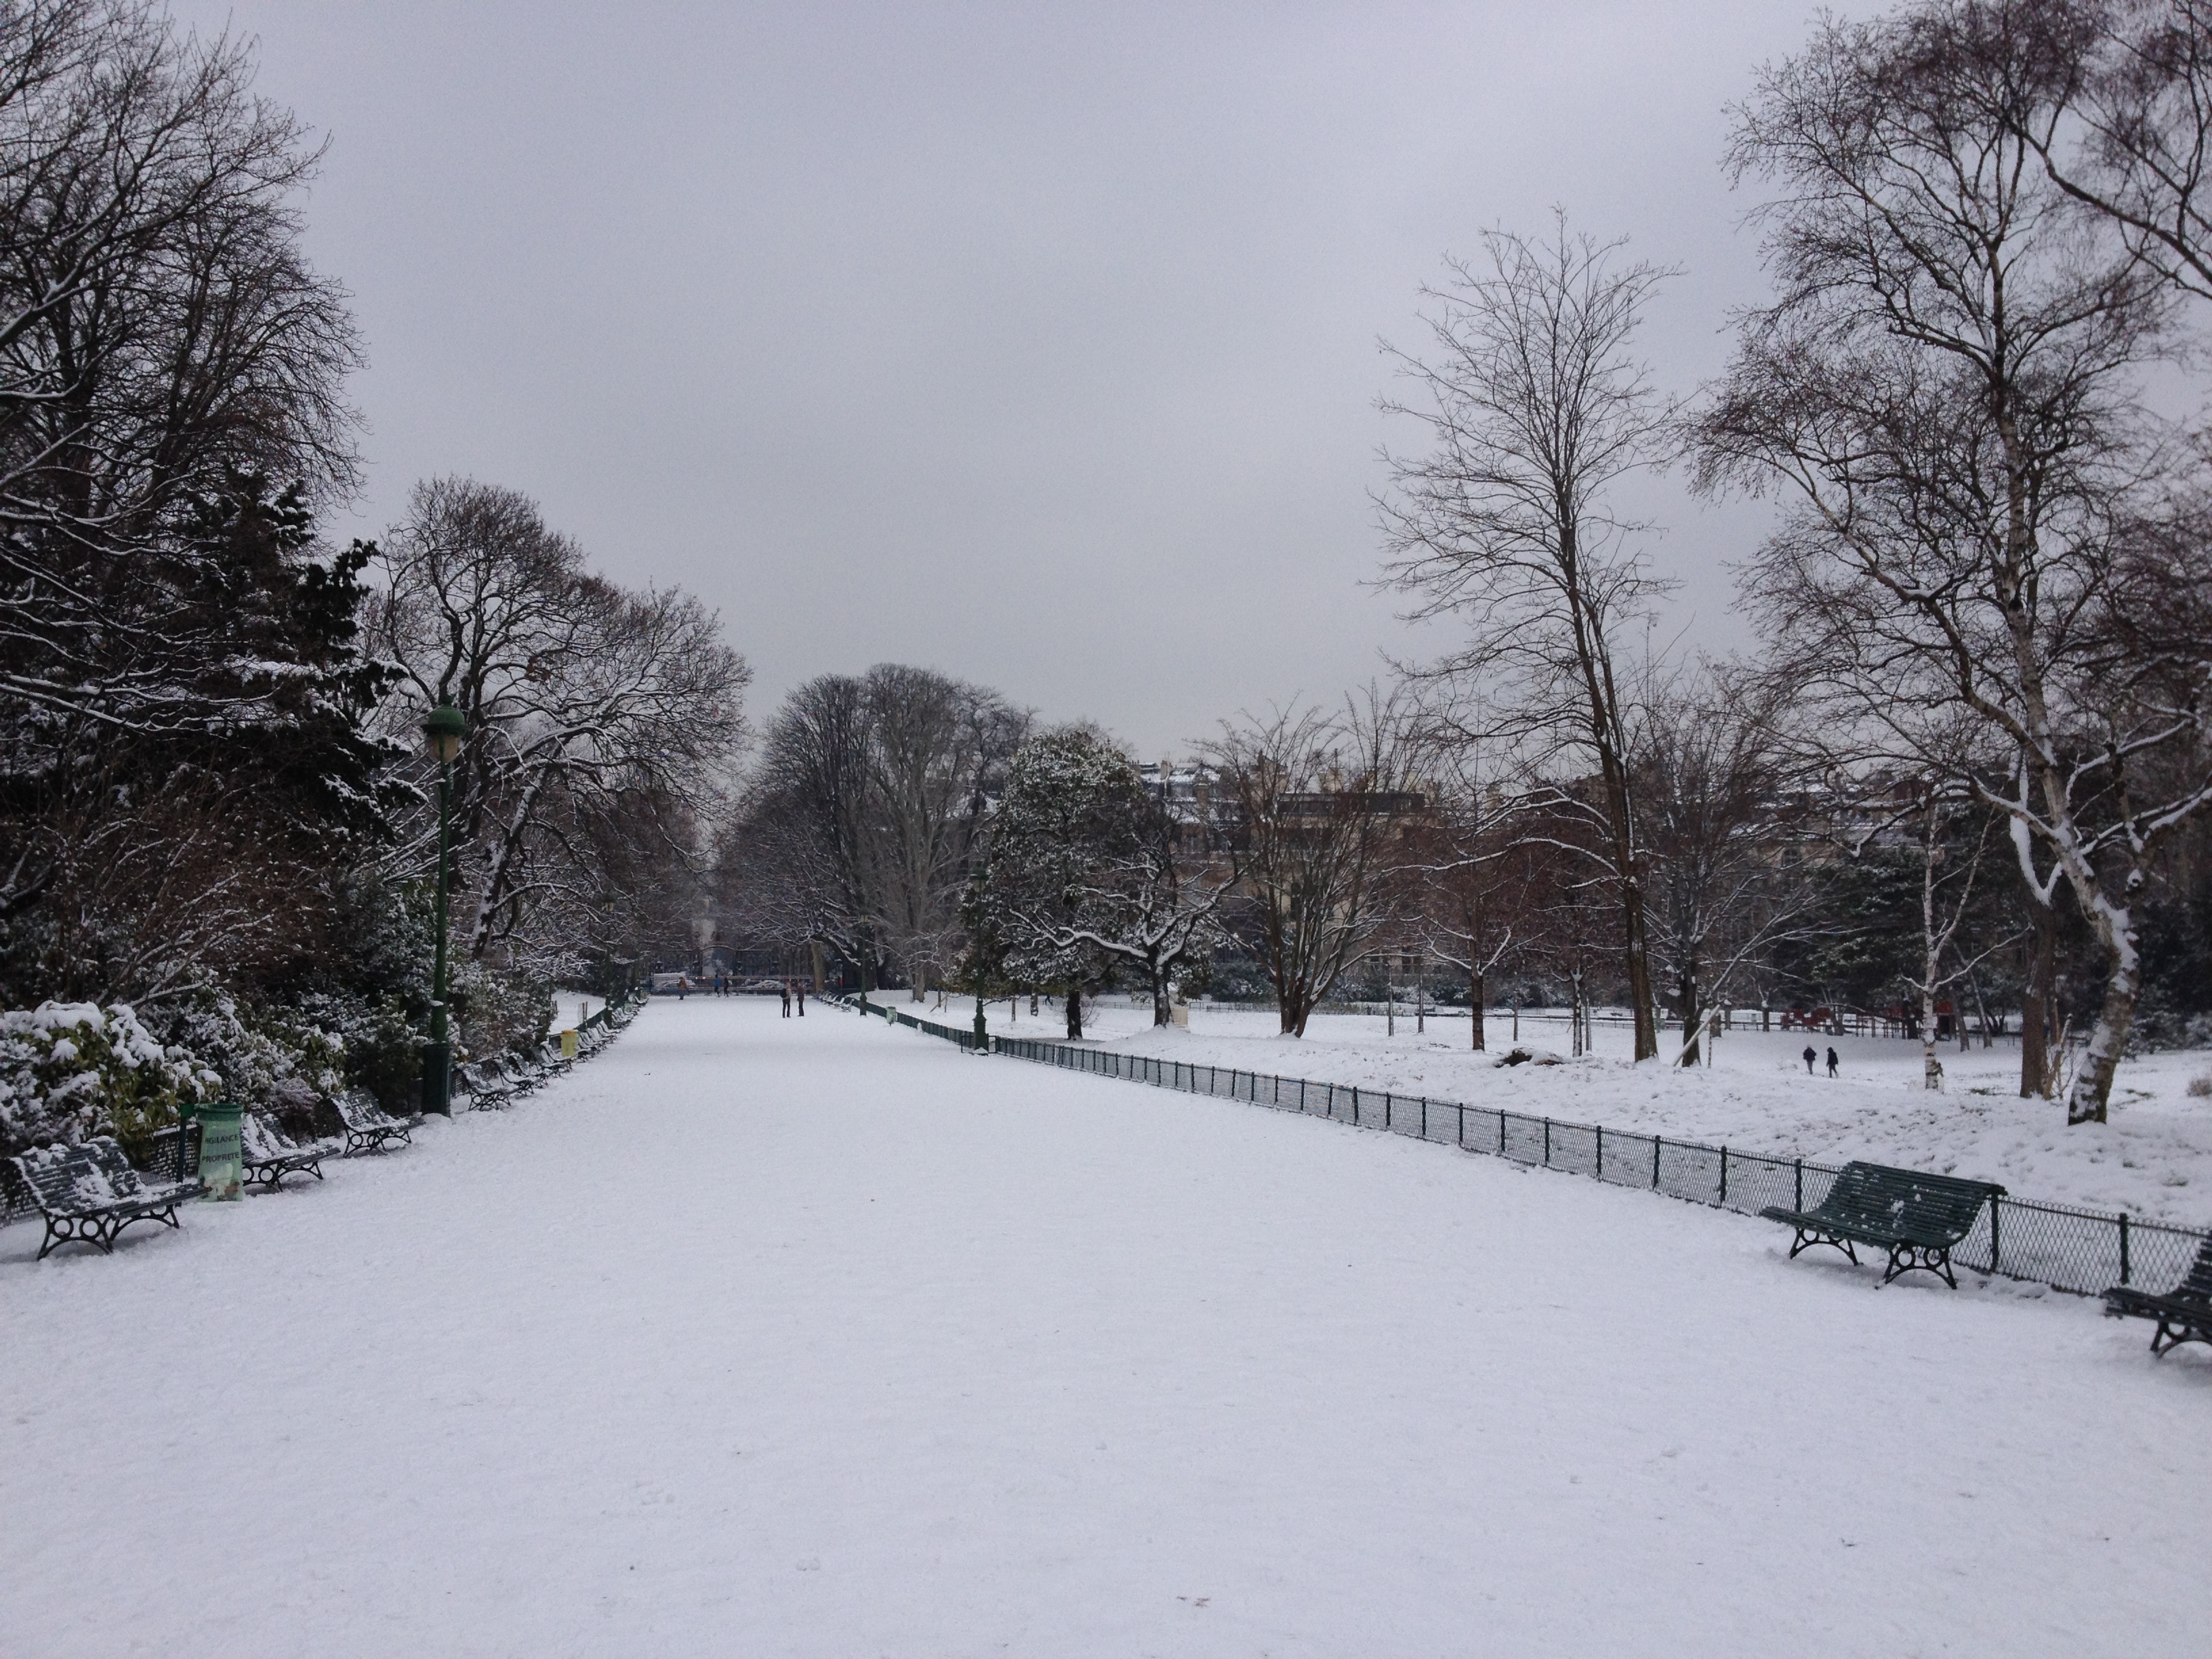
(2060, 1245)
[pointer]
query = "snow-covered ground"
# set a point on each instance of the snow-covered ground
(2153, 1159)
(771, 1337)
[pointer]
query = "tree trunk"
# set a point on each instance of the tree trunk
(1636, 943)
(2088, 1099)
(1161, 1016)
(1931, 1069)
(1692, 1020)
(2035, 1003)
(1982, 1012)
(1931, 952)
(1475, 1004)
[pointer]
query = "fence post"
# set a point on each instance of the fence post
(1501, 1133)
(1278, 1089)
(1386, 1108)
(1994, 1202)
(1547, 1143)
(1355, 1105)
(1724, 1177)
(1800, 1205)
(1462, 1125)
(1655, 1164)
(2124, 1247)
(1601, 1151)
(1425, 1117)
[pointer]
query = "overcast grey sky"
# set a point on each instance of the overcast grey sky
(1037, 344)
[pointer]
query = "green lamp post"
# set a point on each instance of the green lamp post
(443, 728)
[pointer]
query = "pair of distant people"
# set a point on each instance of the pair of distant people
(1812, 1054)
(794, 991)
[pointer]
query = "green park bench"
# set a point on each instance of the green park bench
(2183, 1313)
(1916, 1217)
(271, 1153)
(89, 1193)
(369, 1128)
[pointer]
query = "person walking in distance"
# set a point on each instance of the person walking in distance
(1811, 1054)
(799, 992)
(1832, 1062)
(786, 998)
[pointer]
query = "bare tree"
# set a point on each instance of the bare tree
(1948, 388)
(868, 808)
(602, 723)
(938, 750)
(1476, 860)
(1711, 770)
(1535, 409)
(161, 333)
(1946, 898)
(177, 650)
(2128, 132)
(1323, 804)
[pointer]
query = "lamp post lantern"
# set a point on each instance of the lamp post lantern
(443, 728)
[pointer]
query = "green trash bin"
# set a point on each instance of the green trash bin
(222, 1151)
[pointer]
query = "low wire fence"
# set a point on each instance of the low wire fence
(2060, 1245)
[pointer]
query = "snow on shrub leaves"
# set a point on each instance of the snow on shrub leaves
(71, 1070)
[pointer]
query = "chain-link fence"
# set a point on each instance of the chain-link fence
(2056, 1244)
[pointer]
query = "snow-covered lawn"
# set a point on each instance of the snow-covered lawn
(2153, 1159)
(769, 1336)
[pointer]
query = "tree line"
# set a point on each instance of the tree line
(1971, 759)
(216, 817)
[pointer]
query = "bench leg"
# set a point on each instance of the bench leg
(167, 1216)
(1909, 1258)
(95, 1230)
(2169, 1336)
(1805, 1241)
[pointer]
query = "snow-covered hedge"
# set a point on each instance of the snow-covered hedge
(496, 1009)
(69, 1070)
(263, 1059)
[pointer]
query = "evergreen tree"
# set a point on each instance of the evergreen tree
(1049, 903)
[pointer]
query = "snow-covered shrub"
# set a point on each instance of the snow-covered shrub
(2200, 1088)
(69, 1071)
(1522, 1055)
(263, 1057)
(498, 1009)
(2159, 1026)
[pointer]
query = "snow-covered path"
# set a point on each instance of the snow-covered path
(820, 1338)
